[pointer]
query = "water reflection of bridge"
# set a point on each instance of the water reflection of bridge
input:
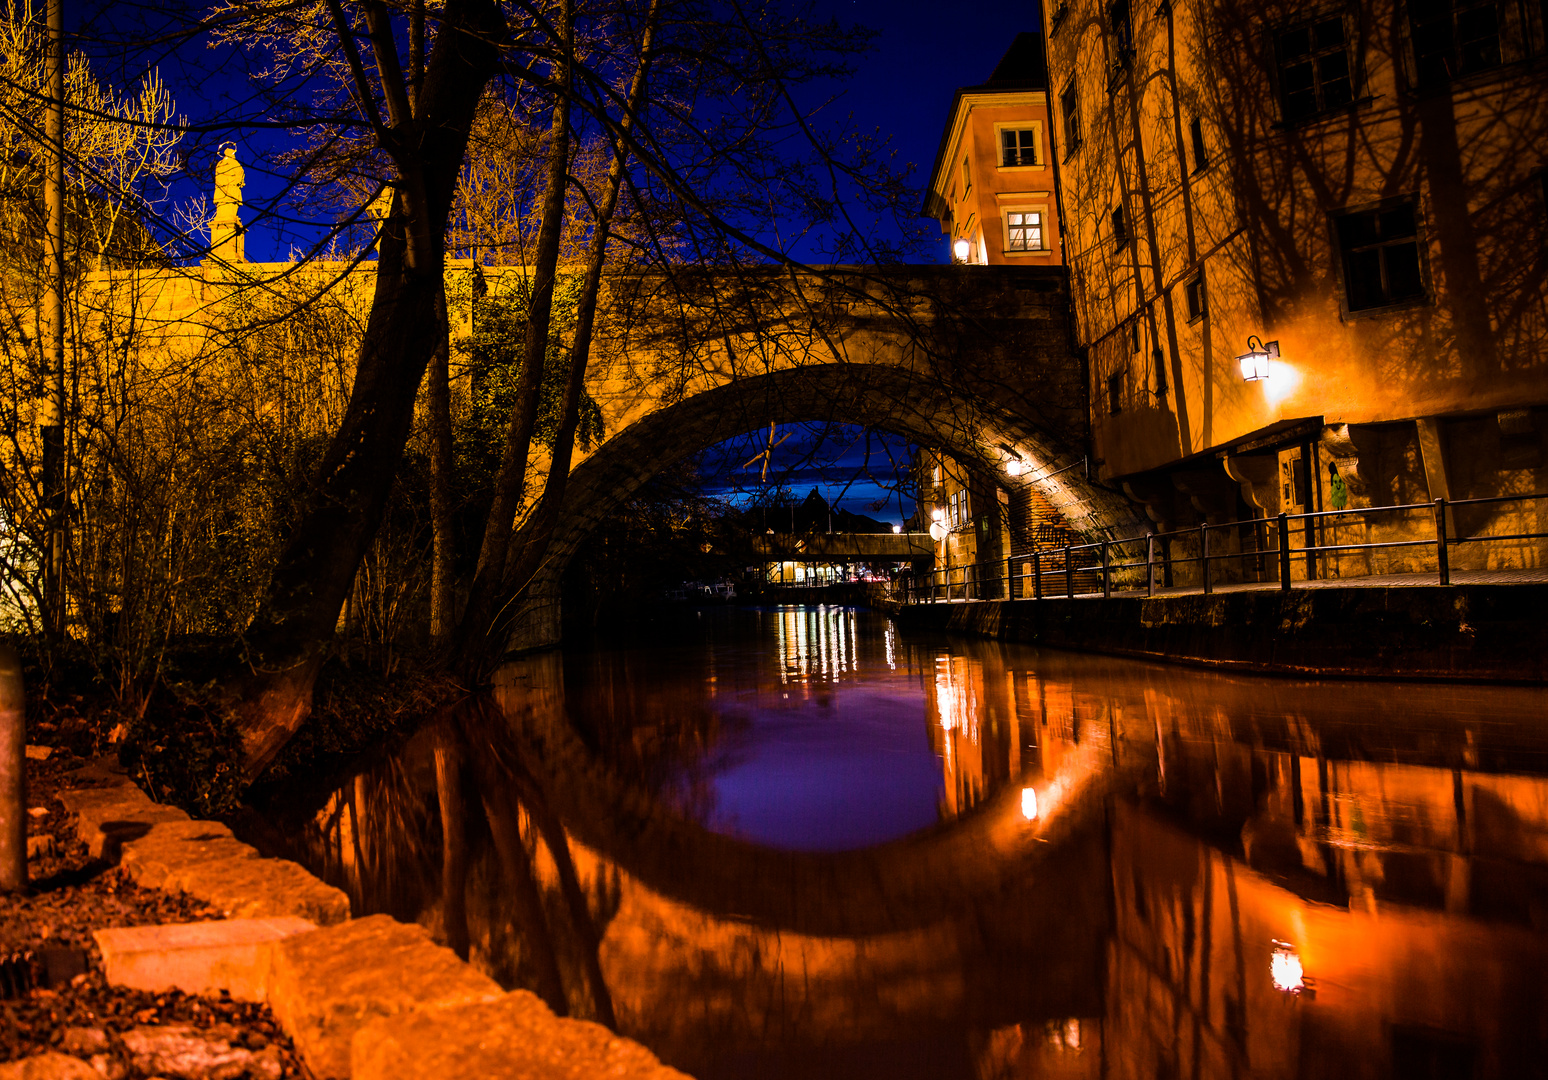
(1188, 822)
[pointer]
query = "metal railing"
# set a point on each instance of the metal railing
(1094, 564)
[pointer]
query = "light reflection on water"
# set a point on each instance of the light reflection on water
(1197, 836)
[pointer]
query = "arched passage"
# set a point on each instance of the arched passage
(929, 411)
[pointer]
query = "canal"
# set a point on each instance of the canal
(792, 842)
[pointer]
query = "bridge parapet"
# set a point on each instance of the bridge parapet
(856, 546)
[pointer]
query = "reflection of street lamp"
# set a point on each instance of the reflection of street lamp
(1028, 803)
(1255, 361)
(1285, 968)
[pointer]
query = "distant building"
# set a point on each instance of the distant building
(992, 187)
(1363, 187)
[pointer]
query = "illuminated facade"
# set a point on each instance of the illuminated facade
(976, 525)
(992, 187)
(1362, 185)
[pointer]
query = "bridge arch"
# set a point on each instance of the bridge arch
(931, 411)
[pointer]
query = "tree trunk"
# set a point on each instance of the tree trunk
(289, 637)
(511, 481)
(531, 544)
(443, 576)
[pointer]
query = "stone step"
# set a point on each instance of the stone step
(235, 955)
(515, 1036)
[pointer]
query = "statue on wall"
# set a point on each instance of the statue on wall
(226, 239)
(230, 178)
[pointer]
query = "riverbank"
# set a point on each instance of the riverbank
(54, 997)
(1494, 633)
(319, 994)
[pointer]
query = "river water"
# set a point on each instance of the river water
(797, 842)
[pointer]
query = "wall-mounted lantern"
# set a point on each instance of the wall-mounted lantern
(962, 249)
(1255, 361)
(897, 528)
(1015, 464)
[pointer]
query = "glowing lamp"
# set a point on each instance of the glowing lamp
(1013, 467)
(937, 514)
(1029, 803)
(1285, 968)
(1255, 361)
(962, 249)
(897, 528)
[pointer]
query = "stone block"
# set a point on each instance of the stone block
(235, 955)
(49, 1066)
(183, 1052)
(106, 817)
(327, 984)
(170, 846)
(253, 888)
(515, 1038)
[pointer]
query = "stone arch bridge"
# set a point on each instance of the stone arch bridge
(974, 361)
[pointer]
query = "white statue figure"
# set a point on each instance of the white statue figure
(226, 240)
(229, 181)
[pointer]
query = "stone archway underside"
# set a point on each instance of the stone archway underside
(928, 411)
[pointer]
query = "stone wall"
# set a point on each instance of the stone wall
(1484, 632)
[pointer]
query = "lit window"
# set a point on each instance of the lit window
(1069, 104)
(1024, 230)
(1198, 301)
(1454, 37)
(1380, 250)
(1314, 71)
(1018, 147)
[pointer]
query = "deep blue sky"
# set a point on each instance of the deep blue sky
(903, 88)
(923, 54)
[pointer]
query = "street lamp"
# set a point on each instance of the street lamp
(1014, 462)
(1255, 361)
(962, 249)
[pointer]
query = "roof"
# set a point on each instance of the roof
(1023, 67)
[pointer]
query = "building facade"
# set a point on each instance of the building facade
(992, 186)
(1352, 195)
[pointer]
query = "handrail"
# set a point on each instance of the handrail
(1005, 573)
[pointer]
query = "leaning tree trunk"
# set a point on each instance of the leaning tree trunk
(511, 480)
(530, 544)
(289, 638)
